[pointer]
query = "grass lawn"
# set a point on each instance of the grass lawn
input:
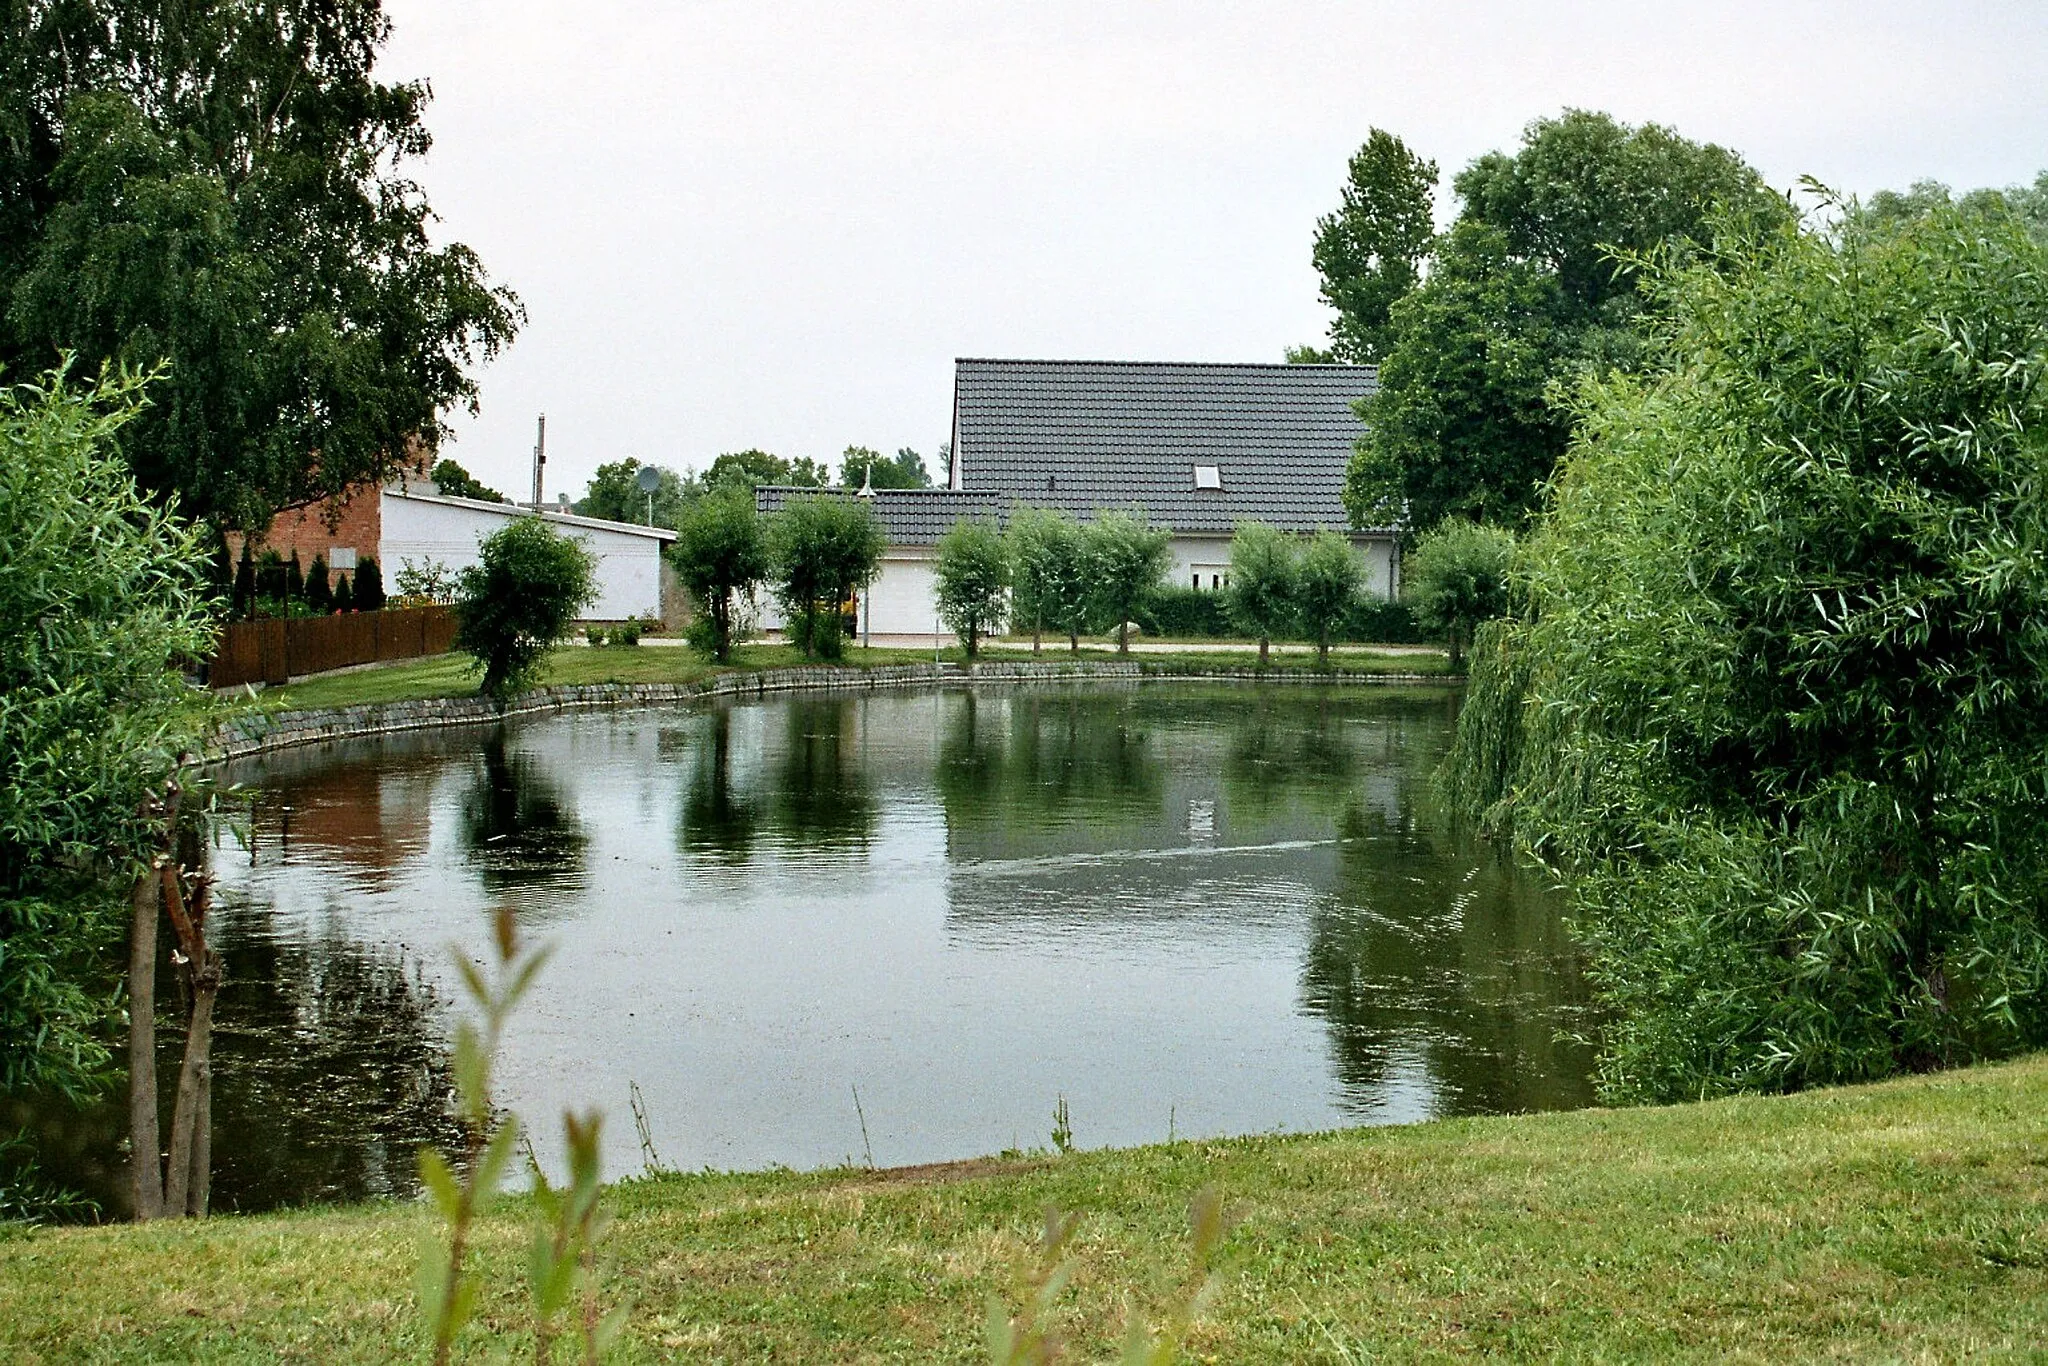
(450, 675)
(1894, 1222)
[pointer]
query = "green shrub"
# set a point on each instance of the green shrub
(1376, 621)
(823, 549)
(319, 592)
(369, 590)
(1457, 577)
(720, 554)
(973, 571)
(1174, 610)
(628, 632)
(518, 601)
(1326, 589)
(1125, 557)
(1050, 573)
(1778, 701)
(100, 593)
(1265, 575)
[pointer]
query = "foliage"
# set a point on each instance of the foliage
(344, 596)
(748, 468)
(1457, 577)
(447, 1287)
(614, 495)
(720, 554)
(564, 1254)
(973, 571)
(1175, 610)
(1326, 589)
(1779, 699)
(1049, 572)
(294, 579)
(823, 550)
(1375, 620)
(1525, 291)
(242, 600)
(457, 482)
(100, 599)
(905, 470)
(223, 187)
(1124, 557)
(1264, 566)
(517, 602)
(319, 590)
(369, 585)
(427, 580)
(1369, 252)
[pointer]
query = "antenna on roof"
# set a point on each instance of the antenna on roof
(540, 459)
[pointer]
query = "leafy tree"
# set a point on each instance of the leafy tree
(2027, 203)
(1457, 577)
(1526, 290)
(369, 586)
(319, 592)
(906, 470)
(294, 581)
(223, 187)
(1125, 558)
(1326, 588)
(1370, 251)
(457, 482)
(1048, 558)
(99, 598)
(751, 468)
(973, 571)
(518, 601)
(1460, 424)
(721, 553)
(1264, 563)
(824, 549)
(1777, 704)
(614, 494)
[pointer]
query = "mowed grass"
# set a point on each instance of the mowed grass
(452, 676)
(1899, 1222)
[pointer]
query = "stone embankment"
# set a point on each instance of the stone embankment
(258, 732)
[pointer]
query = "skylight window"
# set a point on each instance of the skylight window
(1208, 477)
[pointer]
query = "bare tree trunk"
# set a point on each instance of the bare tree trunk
(200, 1193)
(1037, 633)
(143, 1137)
(1263, 643)
(192, 1080)
(1123, 636)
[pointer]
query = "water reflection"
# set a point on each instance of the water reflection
(1225, 905)
(517, 826)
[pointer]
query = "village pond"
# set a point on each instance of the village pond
(1188, 909)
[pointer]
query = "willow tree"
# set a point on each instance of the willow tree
(1778, 702)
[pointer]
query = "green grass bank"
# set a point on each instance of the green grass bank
(1902, 1221)
(450, 675)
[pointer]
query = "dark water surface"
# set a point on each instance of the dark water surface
(1198, 908)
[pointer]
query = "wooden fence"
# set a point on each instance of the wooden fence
(278, 651)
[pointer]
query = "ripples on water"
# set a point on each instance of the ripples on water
(1223, 909)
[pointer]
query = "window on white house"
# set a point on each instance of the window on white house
(1215, 582)
(1208, 476)
(1195, 579)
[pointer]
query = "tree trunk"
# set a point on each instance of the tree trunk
(1074, 642)
(1037, 633)
(200, 1193)
(143, 1137)
(1123, 636)
(973, 641)
(193, 1080)
(1323, 651)
(1457, 648)
(1263, 643)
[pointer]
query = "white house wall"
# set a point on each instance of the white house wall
(628, 572)
(1209, 558)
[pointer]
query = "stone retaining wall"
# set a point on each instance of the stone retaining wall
(259, 732)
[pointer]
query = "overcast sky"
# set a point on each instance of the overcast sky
(776, 224)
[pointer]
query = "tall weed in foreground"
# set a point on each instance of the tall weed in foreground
(447, 1288)
(1028, 1337)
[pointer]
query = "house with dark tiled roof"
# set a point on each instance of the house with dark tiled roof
(1196, 447)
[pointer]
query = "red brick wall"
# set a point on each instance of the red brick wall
(358, 524)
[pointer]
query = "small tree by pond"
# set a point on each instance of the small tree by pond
(1326, 587)
(824, 549)
(1457, 577)
(1260, 599)
(1050, 573)
(721, 553)
(101, 594)
(973, 580)
(1125, 560)
(518, 601)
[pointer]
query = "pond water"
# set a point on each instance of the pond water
(1187, 909)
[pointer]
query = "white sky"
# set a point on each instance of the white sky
(754, 223)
